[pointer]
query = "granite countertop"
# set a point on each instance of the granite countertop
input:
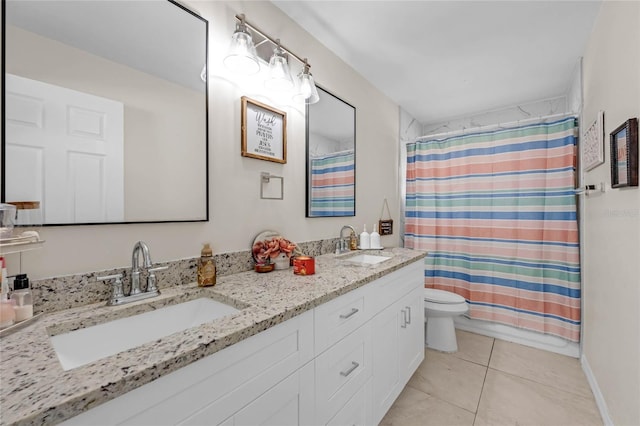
(36, 390)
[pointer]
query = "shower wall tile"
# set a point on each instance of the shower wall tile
(488, 118)
(410, 128)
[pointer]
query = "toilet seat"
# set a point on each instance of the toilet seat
(440, 296)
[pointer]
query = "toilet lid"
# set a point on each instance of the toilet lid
(441, 296)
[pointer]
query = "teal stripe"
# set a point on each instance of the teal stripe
(496, 202)
(490, 267)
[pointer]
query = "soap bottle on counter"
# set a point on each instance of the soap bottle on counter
(353, 241)
(22, 298)
(7, 314)
(375, 237)
(206, 267)
(365, 241)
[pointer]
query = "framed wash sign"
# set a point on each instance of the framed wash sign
(264, 131)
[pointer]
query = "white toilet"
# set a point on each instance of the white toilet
(439, 309)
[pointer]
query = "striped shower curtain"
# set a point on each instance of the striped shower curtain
(333, 184)
(497, 213)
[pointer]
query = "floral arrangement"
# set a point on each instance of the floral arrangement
(266, 250)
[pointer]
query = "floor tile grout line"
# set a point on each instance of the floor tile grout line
(528, 378)
(568, 392)
(484, 380)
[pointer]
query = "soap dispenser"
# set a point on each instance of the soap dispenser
(365, 241)
(353, 241)
(206, 267)
(375, 238)
(22, 297)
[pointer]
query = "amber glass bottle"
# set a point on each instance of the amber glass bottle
(206, 267)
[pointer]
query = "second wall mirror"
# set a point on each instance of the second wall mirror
(331, 157)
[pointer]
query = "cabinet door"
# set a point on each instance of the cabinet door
(287, 403)
(386, 366)
(398, 349)
(411, 347)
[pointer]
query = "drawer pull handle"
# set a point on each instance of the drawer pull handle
(350, 314)
(409, 310)
(404, 318)
(350, 370)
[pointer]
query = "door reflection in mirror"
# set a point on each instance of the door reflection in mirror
(331, 137)
(129, 121)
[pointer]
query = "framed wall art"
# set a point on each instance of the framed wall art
(624, 154)
(593, 144)
(264, 131)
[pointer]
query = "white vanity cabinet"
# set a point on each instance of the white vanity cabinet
(214, 389)
(344, 362)
(368, 344)
(398, 349)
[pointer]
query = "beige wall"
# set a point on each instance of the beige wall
(237, 213)
(611, 275)
(152, 123)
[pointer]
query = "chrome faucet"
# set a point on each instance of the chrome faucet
(117, 293)
(344, 246)
(135, 265)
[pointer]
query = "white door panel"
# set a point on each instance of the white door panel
(81, 139)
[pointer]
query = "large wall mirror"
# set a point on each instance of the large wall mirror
(105, 111)
(331, 157)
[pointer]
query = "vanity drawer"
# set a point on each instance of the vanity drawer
(339, 317)
(358, 410)
(388, 289)
(341, 371)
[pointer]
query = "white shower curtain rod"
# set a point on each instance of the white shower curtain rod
(494, 126)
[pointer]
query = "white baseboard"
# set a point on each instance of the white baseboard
(517, 335)
(600, 402)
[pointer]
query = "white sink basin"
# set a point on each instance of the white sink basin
(86, 345)
(367, 259)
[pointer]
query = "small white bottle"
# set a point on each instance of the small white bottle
(375, 238)
(365, 241)
(22, 297)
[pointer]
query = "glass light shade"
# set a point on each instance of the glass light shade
(308, 92)
(279, 74)
(241, 56)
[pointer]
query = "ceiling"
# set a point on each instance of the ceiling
(441, 60)
(124, 33)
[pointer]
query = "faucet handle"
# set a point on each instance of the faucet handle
(116, 290)
(152, 280)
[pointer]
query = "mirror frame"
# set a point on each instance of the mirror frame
(206, 139)
(325, 92)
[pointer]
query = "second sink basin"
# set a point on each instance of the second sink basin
(86, 345)
(367, 259)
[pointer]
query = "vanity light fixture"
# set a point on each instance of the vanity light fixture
(279, 74)
(243, 55)
(308, 91)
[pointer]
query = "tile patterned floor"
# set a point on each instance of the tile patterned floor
(493, 382)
